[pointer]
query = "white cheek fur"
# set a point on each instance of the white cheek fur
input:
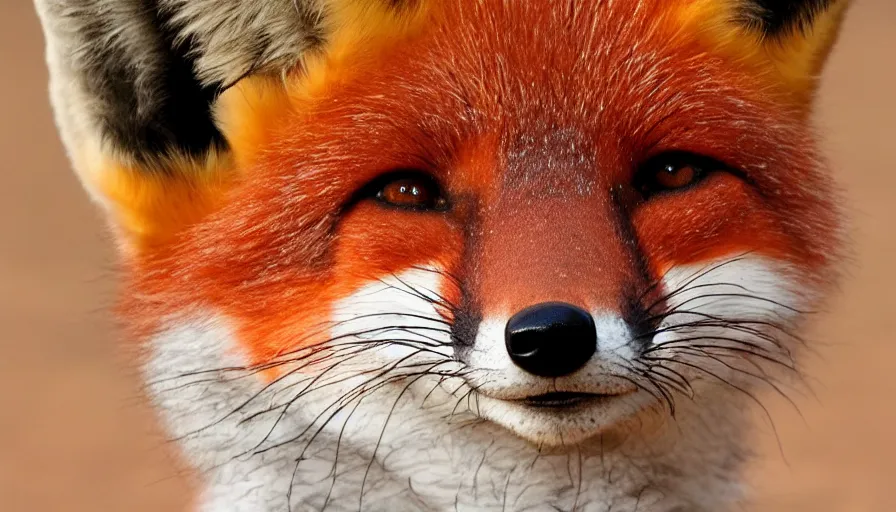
(748, 287)
(754, 292)
(401, 308)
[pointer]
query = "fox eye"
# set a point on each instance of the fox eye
(415, 191)
(673, 171)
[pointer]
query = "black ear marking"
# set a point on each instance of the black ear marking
(776, 16)
(150, 102)
(141, 77)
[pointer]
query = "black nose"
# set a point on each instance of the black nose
(551, 339)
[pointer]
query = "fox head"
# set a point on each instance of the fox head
(352, 222)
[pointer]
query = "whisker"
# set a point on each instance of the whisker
(702, 272)
(748, 394)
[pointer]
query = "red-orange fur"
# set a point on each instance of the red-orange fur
(461, 100)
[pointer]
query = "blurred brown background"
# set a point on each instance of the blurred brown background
(73, 437)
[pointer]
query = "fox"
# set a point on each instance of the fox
(404, 255)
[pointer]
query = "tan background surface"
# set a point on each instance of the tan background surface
(72, 439)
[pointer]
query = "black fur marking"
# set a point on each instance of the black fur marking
(464, 328)
(776, 16)
(148, 112)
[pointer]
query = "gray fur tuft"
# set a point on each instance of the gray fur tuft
(232, 38)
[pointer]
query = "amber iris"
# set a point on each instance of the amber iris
(671, 176)
(417, 193)
(674, 171)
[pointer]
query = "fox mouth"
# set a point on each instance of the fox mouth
(541, 394)
(565, 399)
(564, 417)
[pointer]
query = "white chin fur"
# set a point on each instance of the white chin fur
(418, 443)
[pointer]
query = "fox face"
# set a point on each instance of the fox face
(447, 236)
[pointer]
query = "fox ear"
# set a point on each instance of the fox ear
(789, 39)
(775, 17)
(134, 85)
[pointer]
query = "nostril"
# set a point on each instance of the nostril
(551, 339)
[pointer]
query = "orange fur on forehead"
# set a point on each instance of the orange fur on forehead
(364, 34)
(363, 30)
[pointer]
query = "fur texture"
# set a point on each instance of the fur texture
(231, 39)
(120, 77)
(142, 74)
(314, 346)
(776, 16)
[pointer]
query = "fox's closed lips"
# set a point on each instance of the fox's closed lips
(559, 390)
(566, 399)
